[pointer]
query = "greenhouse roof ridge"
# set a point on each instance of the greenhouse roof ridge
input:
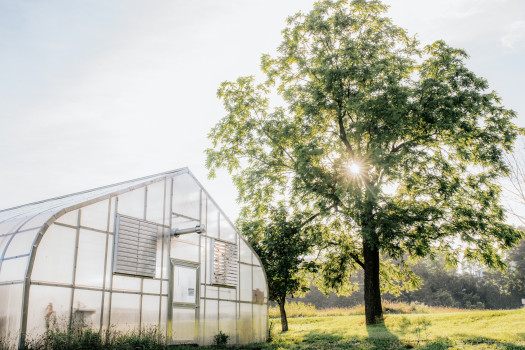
(175, 171)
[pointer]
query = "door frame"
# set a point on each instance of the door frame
(171, 305)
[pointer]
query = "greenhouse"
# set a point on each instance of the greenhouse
(155, 252)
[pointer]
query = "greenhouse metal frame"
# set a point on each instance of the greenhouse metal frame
(150, 253)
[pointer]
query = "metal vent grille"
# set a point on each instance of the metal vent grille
(225, 267)
(135, 247)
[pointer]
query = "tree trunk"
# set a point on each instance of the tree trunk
(284, 320)
(373, 307)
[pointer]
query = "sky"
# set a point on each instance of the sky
(97, 92)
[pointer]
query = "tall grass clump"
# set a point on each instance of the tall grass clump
(89, 339)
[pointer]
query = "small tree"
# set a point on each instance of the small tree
(402, 144)
(284, 243)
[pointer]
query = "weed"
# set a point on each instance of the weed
(221, 339)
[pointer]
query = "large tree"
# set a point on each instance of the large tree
(401, 145)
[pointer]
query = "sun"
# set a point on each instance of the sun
(354, 168)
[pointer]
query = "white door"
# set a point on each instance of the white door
(184, 302)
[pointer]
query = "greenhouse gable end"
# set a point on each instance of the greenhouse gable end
(151, 253)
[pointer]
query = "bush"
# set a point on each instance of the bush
(221, 339)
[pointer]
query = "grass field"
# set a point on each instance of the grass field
(444, 329)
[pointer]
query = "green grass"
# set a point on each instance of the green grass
(446, 330)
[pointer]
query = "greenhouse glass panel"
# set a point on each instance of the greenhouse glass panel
(49, 308)
(95, 216)
(13, 269)
(186, 197)
(259, 286)
(245, 323)
(21, 243)
(70, 218)
(246, 282)
(125, 311)
(55, 259)
(90, 258)
(132, 203)
(155, 202)
(212, 227)
(151, 286)
(227, 318)
(246, 253)
(184, 326)
(211, 316)
(228, 233)
(184, 251)
(127, 283)
(10, 304)
(150, 312)
(86, 308)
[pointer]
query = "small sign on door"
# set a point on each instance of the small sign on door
(191, 292)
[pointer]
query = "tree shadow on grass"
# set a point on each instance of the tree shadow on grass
(379, 337)
(482, 341)
(322, 337)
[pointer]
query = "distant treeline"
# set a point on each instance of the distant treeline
(468, 286)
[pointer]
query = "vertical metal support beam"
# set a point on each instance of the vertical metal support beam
(115, 225)
(75, 262)
(105, 268)
(164, 205)
(169, 323)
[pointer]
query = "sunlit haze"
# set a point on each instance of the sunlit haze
(98, 92)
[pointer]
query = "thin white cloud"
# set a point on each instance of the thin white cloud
(514, 35)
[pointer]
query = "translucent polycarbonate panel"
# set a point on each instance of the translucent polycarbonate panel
(212, 220)
(164, 314)
(21, 243)
(260, 294)
(227, 319)
(228, 233)
(179, 222)
(184, 251)
(70, 218)
(211, 315)
(212, 292)
(155, 202)
(90, 258)
(11, 307)
(38, 220)
(125, 311)
(204, 257)
(151, 286)
(95, 215)
(55, 255)
(227, 293)
(245, 252)
(259, 323)
(13, 269)
(184, 325)
(186, 197)
(132, 203)
(184, 284)
(109, 259)
(49, 307)
(3, 242)
(165, 257)
(246, 283)
(86, 308)
(245, 324)
(150, 312)
(127, 283)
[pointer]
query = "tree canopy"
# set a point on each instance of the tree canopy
(399, 145)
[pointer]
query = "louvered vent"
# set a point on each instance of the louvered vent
(136, 247)
(225, 268)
